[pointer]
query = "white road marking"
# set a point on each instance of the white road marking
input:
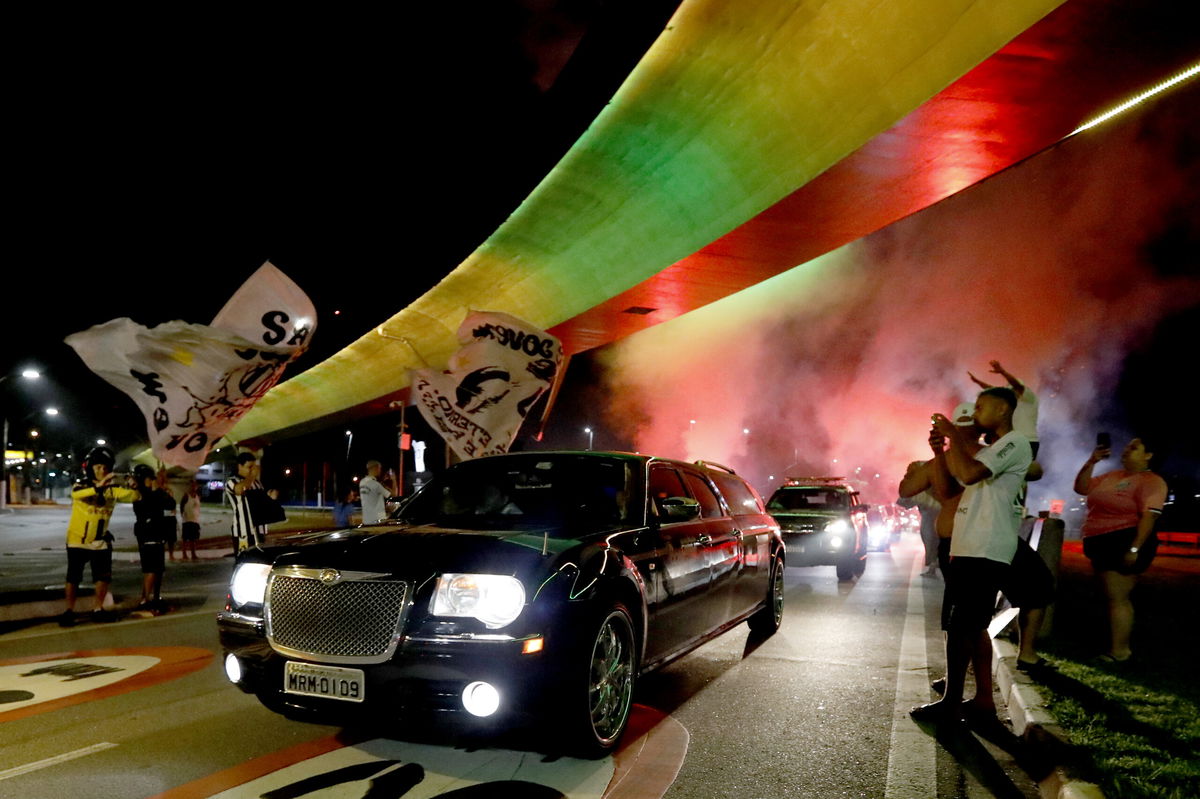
(17, 771)
(912, 759)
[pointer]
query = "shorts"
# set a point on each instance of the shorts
(191, 531)
(971, 588)
(99, 559)
(151, 555)
(170, 530)
(1107, 551)
(1028, 583)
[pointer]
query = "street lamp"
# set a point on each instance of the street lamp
(588, 430)
(26, 374)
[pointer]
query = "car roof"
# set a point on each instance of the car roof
(704, 466)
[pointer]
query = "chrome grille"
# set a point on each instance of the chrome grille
(349, 618)
(798, 527)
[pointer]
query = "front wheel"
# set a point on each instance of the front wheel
(601, 696)
(766, 620)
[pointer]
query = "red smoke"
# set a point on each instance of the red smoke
(1043, 267)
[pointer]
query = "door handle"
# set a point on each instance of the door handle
(703, 540)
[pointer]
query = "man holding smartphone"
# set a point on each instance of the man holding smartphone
(984, 541)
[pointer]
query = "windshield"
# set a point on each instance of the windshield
(567, 493)
(800, 498)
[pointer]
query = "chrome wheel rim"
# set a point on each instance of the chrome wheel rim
(777, 594)
(610, 682)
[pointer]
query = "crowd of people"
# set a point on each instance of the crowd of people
(156, 522)
(971, 496)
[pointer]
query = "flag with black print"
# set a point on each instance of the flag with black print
(478, 404)
(193, 382)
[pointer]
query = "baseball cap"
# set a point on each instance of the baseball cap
(964, 409)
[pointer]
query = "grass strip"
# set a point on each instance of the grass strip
(1136, 733)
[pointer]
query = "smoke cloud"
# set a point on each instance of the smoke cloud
(1058, 267)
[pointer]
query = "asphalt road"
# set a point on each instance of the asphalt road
(818, 710)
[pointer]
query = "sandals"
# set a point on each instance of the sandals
(1108, 661)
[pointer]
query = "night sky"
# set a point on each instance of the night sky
(364, 157)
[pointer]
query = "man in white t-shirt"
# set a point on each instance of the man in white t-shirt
(374, 494)
(986, 524)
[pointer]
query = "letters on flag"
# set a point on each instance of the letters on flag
(193, 382)
(503, 367)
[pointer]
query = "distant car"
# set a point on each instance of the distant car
(883, 527)
(537, 585)
(823, 523)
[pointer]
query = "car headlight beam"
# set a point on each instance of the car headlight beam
(249, 583)
(494, 599)
(837, 526)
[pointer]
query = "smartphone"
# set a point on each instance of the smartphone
(1104, 440)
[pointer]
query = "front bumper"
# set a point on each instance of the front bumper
(426, 675)
(818, 548)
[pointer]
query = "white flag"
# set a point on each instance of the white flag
(193, 382)
(478, 405)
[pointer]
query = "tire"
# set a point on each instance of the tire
(600, 696)
(765, 622)
(846, 568)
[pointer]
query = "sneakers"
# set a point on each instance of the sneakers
(103, 616)
(1040, 665)
(67, 619)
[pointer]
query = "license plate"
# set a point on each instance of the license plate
(330, 682)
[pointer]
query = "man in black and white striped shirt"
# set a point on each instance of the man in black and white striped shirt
(245, 533)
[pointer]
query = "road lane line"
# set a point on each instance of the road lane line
(17, 771)
(912, 758)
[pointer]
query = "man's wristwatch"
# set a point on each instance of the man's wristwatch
(1133, 550)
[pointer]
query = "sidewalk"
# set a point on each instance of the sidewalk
(46, 602)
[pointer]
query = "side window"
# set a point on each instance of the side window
(739, 495)
(664, 482)
(710, 506)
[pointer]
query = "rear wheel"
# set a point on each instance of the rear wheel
(767, 619)
(601, 694)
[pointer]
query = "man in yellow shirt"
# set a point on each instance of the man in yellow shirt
(89, 543)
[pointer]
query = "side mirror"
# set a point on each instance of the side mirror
(863, 508)
(679, 509)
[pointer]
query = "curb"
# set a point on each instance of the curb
(1035, 725)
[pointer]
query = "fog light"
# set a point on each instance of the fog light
(835, 542)
(481, 699)
(233, 669)
(533, 646)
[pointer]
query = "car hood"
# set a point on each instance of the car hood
(424, 549)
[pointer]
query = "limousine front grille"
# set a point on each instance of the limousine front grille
(346, 617)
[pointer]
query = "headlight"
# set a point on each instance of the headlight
(837, 526)
(249, 583)
(494, 599)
